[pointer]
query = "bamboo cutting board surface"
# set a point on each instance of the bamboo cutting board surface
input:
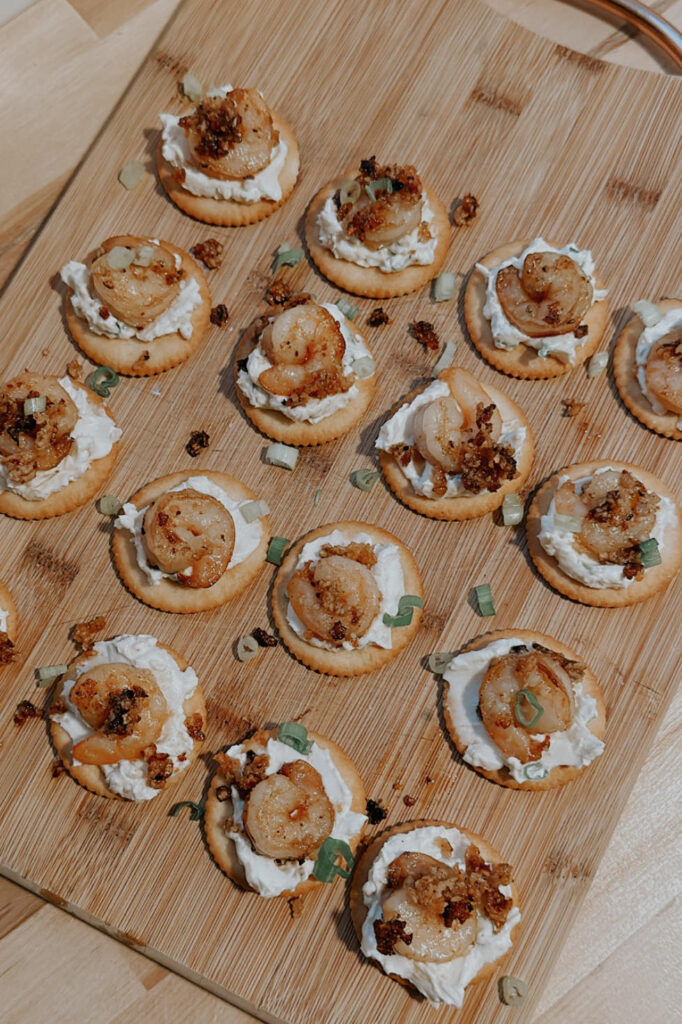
(528, 140)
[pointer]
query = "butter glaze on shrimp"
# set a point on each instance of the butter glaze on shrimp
(384, 217)
(288, 815)
(337, 598)
(306, 347)
(664, 371)
(41, 440)
(231, 137)
(548, 297)
(191, 534)
(140, 292)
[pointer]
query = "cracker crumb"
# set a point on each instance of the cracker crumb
(74, 369)
(45, 352)
(572, 407)
(25, 710)
(378, 317)
(210, 252)
(397, 786)
(466, 211)
(409, 801)
(83, 632)
(295, 906)
(425, 333)
(220, 315)
(198, 439)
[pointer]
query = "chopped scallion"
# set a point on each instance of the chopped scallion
(597, 364)
(326, 866)
(535, 770)
(286, 257)
(396, 621)
(144, 255)
(650, 553)
(102, 380)
(281, 455)
(446, 357)
(443, 287)
(512, 510)
(380, 185)
(247, 648)
(484, 596)
(252, 510)
(130, 174)
(347, 308)
(350, 191)
(295, 735)
(363, 367)
(571, 524)
(409, 601)
(648, 312)
(512, 991)
(406, 605)
(192, 87)
(316, 495)
(48, 673)
(276, 549)
(364, 479)
(439, 661)
(196, 811)
(119, 257)
(527, 696)
(109, 505)
(33, 405)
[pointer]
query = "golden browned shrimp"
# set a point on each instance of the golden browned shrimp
(126, 708)
(288, 815)
(303, 343)
(440, 428)
(388, 205)
(231, 137)
(512, 718)
(664, 371)
(136, 283)
(336, 598)
(550, 295)
(38, 441)
(616, 513)
(191, 534)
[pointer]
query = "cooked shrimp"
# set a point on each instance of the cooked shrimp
(336, 598)
(664, 371)
(616, 513)
(191, 534)
(39, 441)
(380, 217)
(550, 295)
(288, 815)
(141, 291)
(440, 427)
(231, 137)
(300, 343)
(126, 708)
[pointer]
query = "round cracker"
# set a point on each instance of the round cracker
(345, 663)
(228, 212)
(625, 373)
(91, 776)
(359, 910)
(561, 774)
(524, 361)
(654, 579)
(74, 494)
(217, 812)
(465, 507)
(370, 281)
(167, 595)
(279, 427)
(7, 604)
(127, 355)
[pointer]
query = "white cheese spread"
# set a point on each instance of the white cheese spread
(129, 778)
(263, 185)
(94, 435)
(438, 982)
(270, 877)
(645, 342)
(576, 746)
(505, 335)
(581, 565)
(388, 573)
(247, 536)
(407, 251)
(314, 409)
(399, 430)
(4, 617)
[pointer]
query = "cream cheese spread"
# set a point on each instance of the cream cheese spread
(263, 185)
(129, 778)
(407, 251)
(576, 746)
(399, 430)
(505, 335)
(94, 435)
(645, 342)
(247, 536)
(270, 877)
(86, 305)
(314, 409)
(438, 982)
(388, 573)
(4, 617)
(582, 566)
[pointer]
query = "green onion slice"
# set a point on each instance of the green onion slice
(648, 312)
(650, 553)
(347, 308)
(363, 367)
(144, 255)
(513, 991)
(439, 661)
(131, 174)
(286, 257)
(295, 735)
(446, 357)
(380, 185)
(535, 770)
(119, 257)
(408, 601)
(32, 405)
(192, 87)
(520, 711)
(276, 549)
(316, 495)
(109, 505)
(364, 479)
(247, 648)
(252, 510)
(195, 813)
(103, 380)
(48, 673)
(443, 287)
(512, 510)
(396, 621)
(597, 364)
(484, 596)
(350, 191)
(572, 524)
(326, 866)
(282, 455)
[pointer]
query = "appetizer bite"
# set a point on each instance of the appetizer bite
(304, 375)
(128, 717)
(378, 231)
(605, 533)
(58, 445)
(9, 623)
(140, 305)
(534, 310)
(231, 161)
(283, 807)
(455, 447)
(647, 365)
(435, 906)
(523, 709)
(347, 598)
(187, 543)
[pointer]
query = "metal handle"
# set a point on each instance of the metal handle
(650, 23)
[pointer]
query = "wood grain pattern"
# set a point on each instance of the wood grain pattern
(620, 202)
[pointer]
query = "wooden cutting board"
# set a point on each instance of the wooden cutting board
(549, 141)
